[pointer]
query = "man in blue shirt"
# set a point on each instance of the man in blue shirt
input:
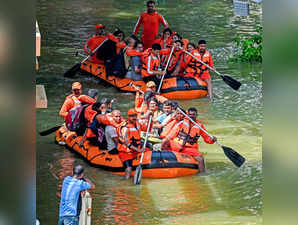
(71, 188)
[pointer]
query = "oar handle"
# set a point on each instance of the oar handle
(194, 122)
(165, 70)
(94, 50)
(146, 138)
(201, 61)
(136, 87)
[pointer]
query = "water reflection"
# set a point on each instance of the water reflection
(62, 168)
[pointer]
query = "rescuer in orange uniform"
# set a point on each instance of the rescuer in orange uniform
(139, 99)
(129, 141)
(99, 38)
(184, 138)
(75, 99)
(150, 21)
(94, 42)
(151, 65)
(194, 68)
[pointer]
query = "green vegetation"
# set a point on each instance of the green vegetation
(250, 48)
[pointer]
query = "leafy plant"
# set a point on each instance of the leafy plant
(250, 48)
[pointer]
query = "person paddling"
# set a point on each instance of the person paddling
(184, 138)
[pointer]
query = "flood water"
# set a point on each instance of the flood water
(225, 194)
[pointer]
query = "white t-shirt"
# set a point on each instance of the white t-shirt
(110, 133)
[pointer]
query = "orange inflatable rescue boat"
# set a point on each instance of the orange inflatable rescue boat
(172, 88)
(156, 164)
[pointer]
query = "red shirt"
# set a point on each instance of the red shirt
(150, 24)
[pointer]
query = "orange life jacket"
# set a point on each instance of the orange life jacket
(176, 58)
(151, 63)
(129, 134)
(70, 102)
(164, 44)
(89, 114)
(194, 67)
(167, 129)
(91, 45)
(187, 134)
(185, 43)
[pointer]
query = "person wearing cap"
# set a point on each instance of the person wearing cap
(150, 21)
(94, 42)
(129, 141)
(71, 100)
(139, 99)
(75, 99)
(72, 186)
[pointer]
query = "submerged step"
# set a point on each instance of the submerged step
(41, 98)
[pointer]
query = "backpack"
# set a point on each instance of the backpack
(75, 120)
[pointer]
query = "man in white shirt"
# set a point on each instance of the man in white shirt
(111, 133)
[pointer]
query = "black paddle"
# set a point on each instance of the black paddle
(227, 79)
(235, 157)
(49, 131)
(73, 70)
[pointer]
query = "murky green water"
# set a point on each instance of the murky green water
(226, 194)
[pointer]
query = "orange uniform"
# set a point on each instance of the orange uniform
(151, 63)
(184, 137)
(167, 129)
(72, 101)
(164, 44)
(99, 121)
(91, 45)
(194, 68)
(150, 22)
(95, 41)
(129, 134)
(185, 43)
(89, 114)
(119, 45)
(176, 58)
(140, 106)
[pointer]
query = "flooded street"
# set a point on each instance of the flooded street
(225, 194)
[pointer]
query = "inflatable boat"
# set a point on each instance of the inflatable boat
(172, 88)
(156, 164)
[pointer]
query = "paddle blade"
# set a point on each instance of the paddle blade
(234, 156)
(231, 82)
(49, 131)
(72, 71)
(138, 175)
